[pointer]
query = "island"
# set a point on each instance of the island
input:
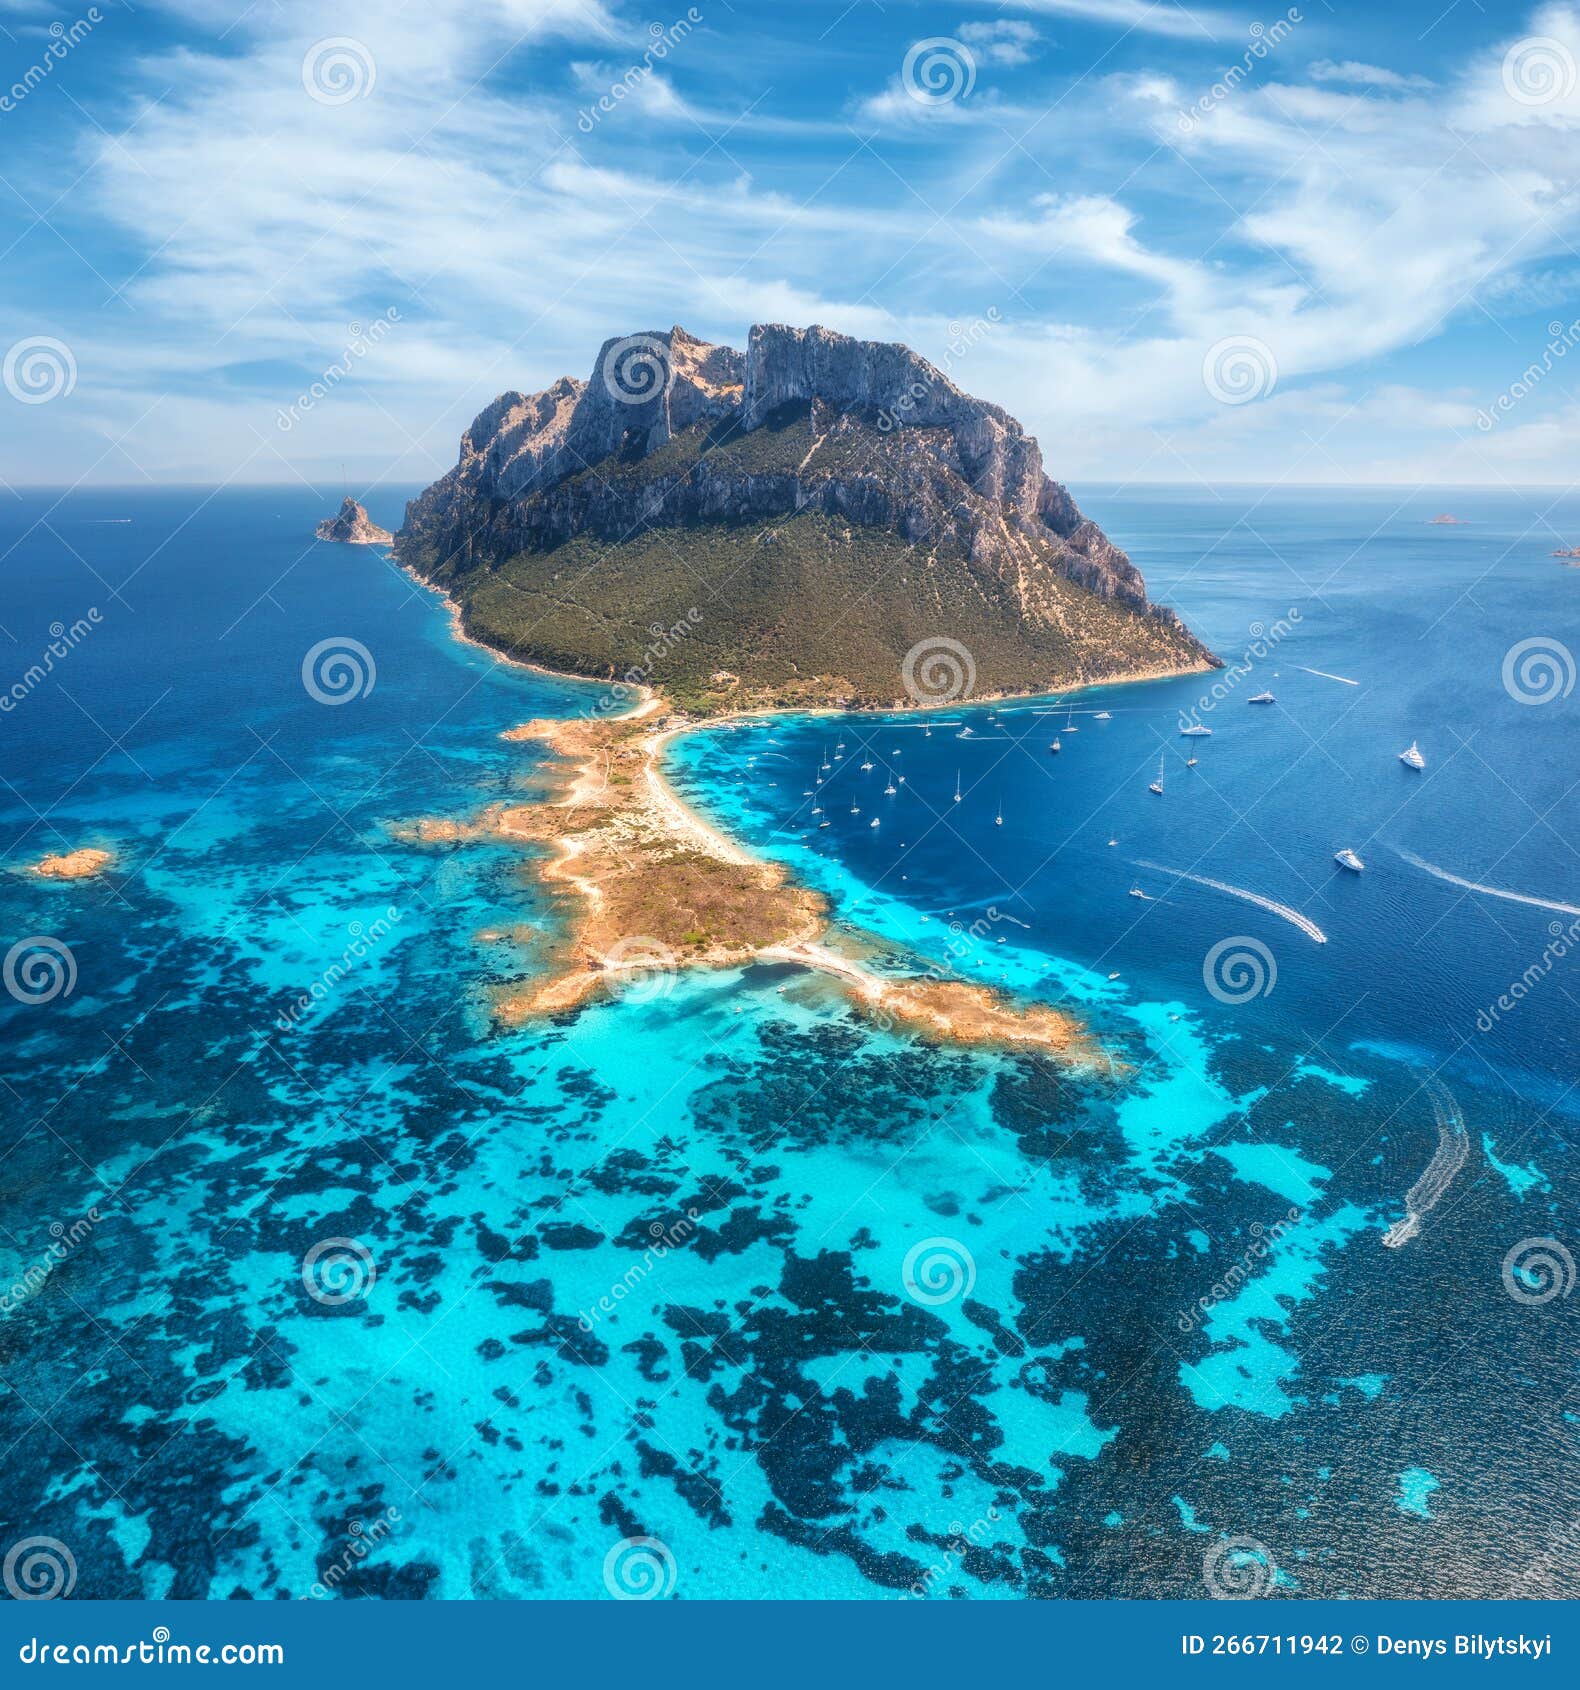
(351, 526)
(81, 864)
(820, 523)
(1445, 521)
(1570, 554)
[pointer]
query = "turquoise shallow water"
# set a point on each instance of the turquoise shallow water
(817, 1308)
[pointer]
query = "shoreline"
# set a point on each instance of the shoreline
(659, 892)
(617, 836)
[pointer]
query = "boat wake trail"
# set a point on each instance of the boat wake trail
(1304, 923)
(1453, 1146)
(1326, 676)
(1489, 891)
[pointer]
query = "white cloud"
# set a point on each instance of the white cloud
(512, 245)
(1007, 41)
(1149, 17)
(1354, 72)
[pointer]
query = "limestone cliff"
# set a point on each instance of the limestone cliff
(813, 508)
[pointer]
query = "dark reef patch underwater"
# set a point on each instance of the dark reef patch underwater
(319, 1286)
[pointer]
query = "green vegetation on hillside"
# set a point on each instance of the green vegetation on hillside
(783, 607)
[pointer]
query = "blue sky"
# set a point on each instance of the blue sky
(1309, 244)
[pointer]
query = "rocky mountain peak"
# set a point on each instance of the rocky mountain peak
(351, 526)
(789, 468)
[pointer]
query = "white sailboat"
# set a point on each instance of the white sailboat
(889, 790)
(1055, 746)
(957, 786)
(998, 820)
(1411, 757)
(1347, 859)
(1157, 785)
(1069, 723)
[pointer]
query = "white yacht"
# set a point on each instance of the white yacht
(1054, 746)
(1136, 892)
(1196, 731)
(1411, 757)
(1347, 859)
(1103, 716)
(1261, 698)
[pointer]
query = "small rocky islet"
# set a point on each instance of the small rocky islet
(351, 526)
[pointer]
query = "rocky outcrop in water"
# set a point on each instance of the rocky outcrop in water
(352, 526)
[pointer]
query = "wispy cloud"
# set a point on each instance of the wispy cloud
(1357, 74)
(1149, 17)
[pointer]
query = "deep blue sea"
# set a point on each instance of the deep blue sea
(315, 1284)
